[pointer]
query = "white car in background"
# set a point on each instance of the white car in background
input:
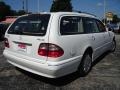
(56, 44)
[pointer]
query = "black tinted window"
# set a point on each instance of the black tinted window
(90, 25)
(71, 25)
(30, 25)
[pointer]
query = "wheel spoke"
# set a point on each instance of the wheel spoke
(87, 64)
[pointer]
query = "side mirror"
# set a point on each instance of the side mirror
(109, 29)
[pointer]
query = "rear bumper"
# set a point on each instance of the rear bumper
(54, 70)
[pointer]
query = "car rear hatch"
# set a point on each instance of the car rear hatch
(26, 34)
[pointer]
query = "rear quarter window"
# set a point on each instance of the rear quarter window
(90, 25)
(70, 25)
(35, 25)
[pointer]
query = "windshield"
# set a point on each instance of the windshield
(35, 25)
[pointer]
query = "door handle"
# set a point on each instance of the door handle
(93, 37)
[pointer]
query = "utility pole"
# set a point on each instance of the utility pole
(23, 5)
(104, 11)
(27, 6)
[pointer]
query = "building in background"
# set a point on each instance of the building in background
(109, 16)
(9, 19)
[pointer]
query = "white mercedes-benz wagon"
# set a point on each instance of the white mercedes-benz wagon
(56, 44)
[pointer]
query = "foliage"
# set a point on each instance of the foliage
(4, 10)
(61, 5)
(116, 19)
(20, 12)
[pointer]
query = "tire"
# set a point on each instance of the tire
(85, 65)
(113, 46)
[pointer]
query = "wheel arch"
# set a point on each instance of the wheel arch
(114, 38)
(89, 50)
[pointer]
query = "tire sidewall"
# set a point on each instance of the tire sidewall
(113, 46)
(81, 70)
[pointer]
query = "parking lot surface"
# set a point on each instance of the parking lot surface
(105, 75)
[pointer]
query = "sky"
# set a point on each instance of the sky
(95, 7)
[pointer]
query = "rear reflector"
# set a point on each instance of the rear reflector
(50, 50)
(6, 43)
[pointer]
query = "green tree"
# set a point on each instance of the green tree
(5, 10)
(21, 12)
(116, 19)
(61, 5)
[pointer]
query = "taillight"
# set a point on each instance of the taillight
(50, 50)
(6, 43)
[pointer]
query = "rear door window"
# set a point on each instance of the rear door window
(35, 25)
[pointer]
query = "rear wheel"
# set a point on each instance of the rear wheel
(85, 65)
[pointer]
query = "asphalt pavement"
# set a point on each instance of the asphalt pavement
(105, 75)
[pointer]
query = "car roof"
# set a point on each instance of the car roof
(76, 13)
(65, 13)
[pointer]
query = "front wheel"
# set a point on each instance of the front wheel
(85, 65)
(113, 46)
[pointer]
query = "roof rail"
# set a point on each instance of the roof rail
(89, 14)
(77, 11)
(85, 13)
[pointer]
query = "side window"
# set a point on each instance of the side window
(70, 25)
(90, 25)
(100, 26)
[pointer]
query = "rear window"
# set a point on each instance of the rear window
(35, 25)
